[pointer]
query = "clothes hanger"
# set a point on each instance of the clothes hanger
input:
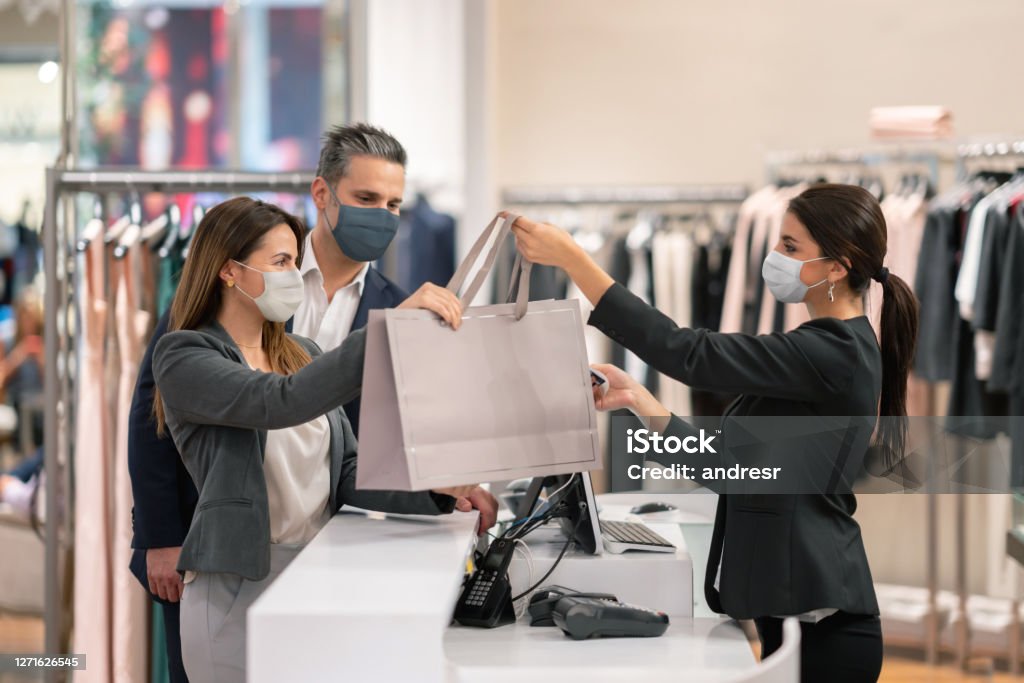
(197, 216)
(174, 234)
(130, 236)
(117, 228)
(92, 229)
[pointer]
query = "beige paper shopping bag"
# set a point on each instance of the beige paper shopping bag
(505, 396)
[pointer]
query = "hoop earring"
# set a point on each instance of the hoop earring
(831, 290)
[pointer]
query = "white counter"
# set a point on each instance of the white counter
(371, 598)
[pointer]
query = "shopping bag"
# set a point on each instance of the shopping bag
(505, 396)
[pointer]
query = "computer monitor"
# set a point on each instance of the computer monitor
(581, 519)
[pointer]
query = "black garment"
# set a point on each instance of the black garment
(1008, 356)
(934, 284)
(786, 554)
(425, 247)
(753, 293)
(973, 410)
(842, 648)
(619, 268)
(710, 273)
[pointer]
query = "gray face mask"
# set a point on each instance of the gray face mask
(362, 234)
(781, 274)
(282, 293)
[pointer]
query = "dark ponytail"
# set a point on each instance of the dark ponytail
(898, 342)
(847, 223)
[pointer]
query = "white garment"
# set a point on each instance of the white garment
(970, 264)
(297, 466)
(672, 253)
(326, 322)
(18, 494)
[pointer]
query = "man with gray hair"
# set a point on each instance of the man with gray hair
(358, 193)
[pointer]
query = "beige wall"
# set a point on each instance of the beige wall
(678, 91)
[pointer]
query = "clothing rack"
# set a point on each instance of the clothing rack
(642, 194)
(931, 157)
(59, 249)
(972, 151)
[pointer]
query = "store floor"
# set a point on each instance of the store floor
(25, 634)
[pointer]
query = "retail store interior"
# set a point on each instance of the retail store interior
(667, 138)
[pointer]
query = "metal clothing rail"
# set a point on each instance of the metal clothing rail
(990, 149)
(969, 152)
(930, 156)
(120, 180)
(644, 194)
(59, 239)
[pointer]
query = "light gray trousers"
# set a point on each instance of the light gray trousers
(213, 609)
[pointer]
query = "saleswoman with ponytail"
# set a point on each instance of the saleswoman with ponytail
(832, 245)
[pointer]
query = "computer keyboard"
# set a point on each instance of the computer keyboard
(633, 534)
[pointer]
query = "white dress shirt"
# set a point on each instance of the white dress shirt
(326, 323)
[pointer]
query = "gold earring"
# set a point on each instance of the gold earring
(831, 289)
(231, 283)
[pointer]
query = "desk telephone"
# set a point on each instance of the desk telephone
(486, 599)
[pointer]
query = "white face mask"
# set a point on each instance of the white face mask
(782, 275)
(282, 293)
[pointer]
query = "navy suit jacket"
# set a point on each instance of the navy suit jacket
(164, 494)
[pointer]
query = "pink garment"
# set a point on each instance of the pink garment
(915, 122)
(130, 606)
(92, 587)
(904, 221)
(736, 281)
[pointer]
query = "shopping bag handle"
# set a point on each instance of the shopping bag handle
(522, 266)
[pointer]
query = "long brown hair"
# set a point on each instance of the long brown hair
(232, 230)
(847, 223)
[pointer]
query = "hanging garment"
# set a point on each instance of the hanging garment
(711, 270)
(673, 266)
(425, 246)
(736, 282)
(933, 283)
(130, 602)
(982, 413)
(92, 463)
(905, 219)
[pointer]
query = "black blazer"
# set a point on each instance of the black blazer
(783, 554)
(164, 495)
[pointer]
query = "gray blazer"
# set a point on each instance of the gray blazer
(218, 411)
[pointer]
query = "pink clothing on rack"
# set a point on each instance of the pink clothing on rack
(130, 602)
(92, 485)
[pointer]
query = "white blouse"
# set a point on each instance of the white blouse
(296, 464)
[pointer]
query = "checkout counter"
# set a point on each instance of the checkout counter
(371, 598)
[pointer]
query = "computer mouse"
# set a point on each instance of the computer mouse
(653, 506)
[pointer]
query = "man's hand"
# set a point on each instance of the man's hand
(438, 300)
(162, 572)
